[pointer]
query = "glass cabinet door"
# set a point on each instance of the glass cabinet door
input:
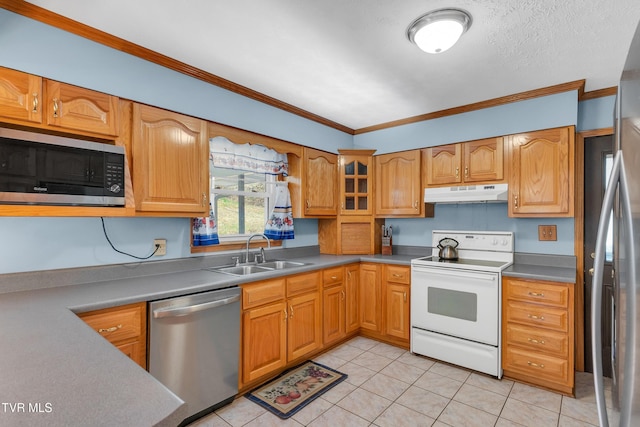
(355, 184)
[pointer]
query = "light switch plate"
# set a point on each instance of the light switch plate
(547, 232)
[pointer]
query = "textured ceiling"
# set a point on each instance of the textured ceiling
(350, 61)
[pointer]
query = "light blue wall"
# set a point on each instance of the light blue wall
(484, 217)
(533, 114)
(30, 244)
(596, 113)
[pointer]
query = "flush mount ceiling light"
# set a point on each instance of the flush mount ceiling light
(439, 29)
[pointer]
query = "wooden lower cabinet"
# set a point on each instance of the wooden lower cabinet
(537, 333)
(333, 305)
(340, 303)
(370, 298)
(397, 301)
(384, 302)
(281, 322)
(125, 327)
(351, 289)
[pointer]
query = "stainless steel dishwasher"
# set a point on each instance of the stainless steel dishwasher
(194, 345)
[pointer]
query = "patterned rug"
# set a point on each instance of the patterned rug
(296, 388)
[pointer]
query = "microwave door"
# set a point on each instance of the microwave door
(17, 167)
(71, 172)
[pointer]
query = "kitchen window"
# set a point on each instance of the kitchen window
(240, 201)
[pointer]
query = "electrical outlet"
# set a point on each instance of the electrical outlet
(547, 232)
(162, 247)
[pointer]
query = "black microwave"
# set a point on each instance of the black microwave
(40, 169)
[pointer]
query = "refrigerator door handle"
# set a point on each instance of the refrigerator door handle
(596, 294)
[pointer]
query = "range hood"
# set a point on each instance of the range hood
(482, 193)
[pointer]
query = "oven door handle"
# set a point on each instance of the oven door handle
(457, 273)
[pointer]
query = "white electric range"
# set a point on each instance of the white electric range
(456, 304)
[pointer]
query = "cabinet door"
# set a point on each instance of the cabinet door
(20, 96)
(264, 340)
(483, 160)
(333, 314)
(75, 108)
(370, 297)
(124, 326)
(351, 284)
(398, 188)
(443, 164)
(542, 173)
(356, 183)
(320, 183)
(397, 310)
(170, 162)
(304, 331)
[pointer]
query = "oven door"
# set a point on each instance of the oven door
(459, 303)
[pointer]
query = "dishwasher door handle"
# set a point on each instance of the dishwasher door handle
(183, 311)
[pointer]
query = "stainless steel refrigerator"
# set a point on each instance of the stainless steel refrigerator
(622, 196)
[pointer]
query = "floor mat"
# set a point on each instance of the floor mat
(296, 388)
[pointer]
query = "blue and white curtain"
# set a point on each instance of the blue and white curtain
(253, 158)
(279, 226)
(205, 230)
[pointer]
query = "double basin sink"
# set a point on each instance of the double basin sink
(246, 269)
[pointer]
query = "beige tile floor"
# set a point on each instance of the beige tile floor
(390, 387)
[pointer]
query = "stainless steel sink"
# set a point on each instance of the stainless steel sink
(281, 265)
(246, 269)
(242, 270)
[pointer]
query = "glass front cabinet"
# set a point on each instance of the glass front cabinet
(356, 182)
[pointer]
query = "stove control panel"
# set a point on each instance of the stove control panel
(498, 241)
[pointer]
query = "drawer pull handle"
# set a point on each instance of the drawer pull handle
(291, 312)
(342, 295)
(536, 365)
(111, 329)
(404, 295)
(285, 314)
(55, 107)
(35, 103)
(334, 277)
(533, 316)
(397, 275)
(536, 294)
(308, 204)
(536, 341)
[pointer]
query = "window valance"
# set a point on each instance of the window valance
(249, 157)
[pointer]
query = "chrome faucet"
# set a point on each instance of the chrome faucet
(262, 249)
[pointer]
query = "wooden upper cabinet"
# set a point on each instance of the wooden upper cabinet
(542, 173)
(398, 184)
(483, 160)
(78, 109)
(443, 164)
(20, 96)
(356, 182)
(468, 162)
(170, 162)
(320, 183)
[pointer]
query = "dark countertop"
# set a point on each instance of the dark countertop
(75, 377)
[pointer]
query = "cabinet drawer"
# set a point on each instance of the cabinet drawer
(332, 276)
(118, 323)
(538, 292)
(303, 283)
(537, 365)
(537, 339)
(256, 294)
(398, 274)
(536, 315)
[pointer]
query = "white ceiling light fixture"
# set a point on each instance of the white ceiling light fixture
(439, 29)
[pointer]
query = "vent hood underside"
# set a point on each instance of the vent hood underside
(483, 193)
